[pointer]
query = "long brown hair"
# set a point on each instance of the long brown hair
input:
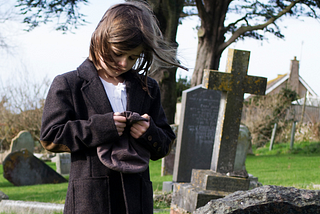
(126, 26)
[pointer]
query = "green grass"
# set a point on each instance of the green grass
(155, 175)
(298, 171)
(52, 193)
(56, 193)
(300, 148)
(299, 167)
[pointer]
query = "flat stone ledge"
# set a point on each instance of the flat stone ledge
(267, 200)
(27, 207)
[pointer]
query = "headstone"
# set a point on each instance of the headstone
(3, 196)
(168, 161)
(222, 178)
(199, 113)
(266, 200)
(244, 143)
(23, 168)
(23, 140)
(63, 163)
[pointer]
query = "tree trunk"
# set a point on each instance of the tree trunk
(210, 36)
(168, 13)
(207, 58)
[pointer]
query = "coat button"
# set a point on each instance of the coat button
(159, 149)
(155, 144)
(150, 138)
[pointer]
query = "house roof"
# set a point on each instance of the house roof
(274, 83)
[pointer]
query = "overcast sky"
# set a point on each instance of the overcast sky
(46, 52)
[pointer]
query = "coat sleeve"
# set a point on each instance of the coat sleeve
(63, 130)
(159, 137)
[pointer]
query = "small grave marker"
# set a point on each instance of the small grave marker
(63, 163)
(23, 140)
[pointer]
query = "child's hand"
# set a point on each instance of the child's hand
(138, 128)
(120, 122)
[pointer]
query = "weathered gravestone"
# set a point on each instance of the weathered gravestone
(196, 131)
(23, 168)
(222, 178)
(168, 161)
(3, 196)
(244, 143)
(23, 140)
(266, 200)
(63, 163)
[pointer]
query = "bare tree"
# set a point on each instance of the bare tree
(21, 106)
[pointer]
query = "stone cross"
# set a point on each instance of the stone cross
(233, 84)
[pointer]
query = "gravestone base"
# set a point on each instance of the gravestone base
(205, 185)
(167, 186)
(190, 197)
(210, 180)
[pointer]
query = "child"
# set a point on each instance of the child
(108, 115)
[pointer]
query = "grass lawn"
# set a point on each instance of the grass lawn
(299, 168)
(53, 193)
(56, 193)
(298, 171)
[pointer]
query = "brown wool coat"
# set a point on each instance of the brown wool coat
(78, 117)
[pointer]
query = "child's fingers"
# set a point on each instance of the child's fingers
(146, 116)
(139, 129)
(120, 122)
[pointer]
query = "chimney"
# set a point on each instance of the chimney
(293, 82)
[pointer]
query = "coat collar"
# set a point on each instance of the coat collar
(95, 93)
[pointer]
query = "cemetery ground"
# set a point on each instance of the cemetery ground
(298, 167)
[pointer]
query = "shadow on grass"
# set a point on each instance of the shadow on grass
(6, 184)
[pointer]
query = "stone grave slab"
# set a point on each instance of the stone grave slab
(266, 200)
(196, 131)
(30, 207)
(23, 168)
(210, 180)
(23, 140)
(63, 163)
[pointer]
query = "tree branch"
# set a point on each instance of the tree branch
(244, 29)
(201, 10)
(237, 21)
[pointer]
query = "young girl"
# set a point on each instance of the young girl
(108, 115)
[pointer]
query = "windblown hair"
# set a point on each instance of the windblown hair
(126, 26)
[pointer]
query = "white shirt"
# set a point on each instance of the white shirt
(117, 95)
